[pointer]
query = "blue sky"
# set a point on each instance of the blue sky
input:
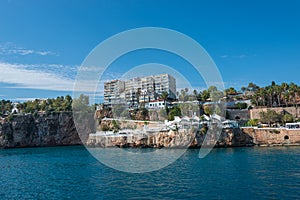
(42, 43)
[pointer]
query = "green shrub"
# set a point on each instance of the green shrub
(252, 122)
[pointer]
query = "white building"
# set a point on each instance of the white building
(157, 104)
(140, 89)
(112, 92)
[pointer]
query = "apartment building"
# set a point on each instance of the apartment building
(138, 90)
(113, 92)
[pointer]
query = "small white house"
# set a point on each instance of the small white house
(230, 124)
(157, 104)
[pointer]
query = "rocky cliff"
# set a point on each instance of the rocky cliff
(273, 136)
(40, 130)
(58, 129)
(172, 139)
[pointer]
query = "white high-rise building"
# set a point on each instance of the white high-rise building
(140, 89)
(113, 91)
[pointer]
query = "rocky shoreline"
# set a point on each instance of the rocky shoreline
(173, 139)
(42, 130)
(58, 129)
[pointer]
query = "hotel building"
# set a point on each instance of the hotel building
(140, 89)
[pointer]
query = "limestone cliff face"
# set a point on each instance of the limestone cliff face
(58, 129)
(270, 137)
(172, 139)
(42, 130)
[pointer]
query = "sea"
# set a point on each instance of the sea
(225, 173)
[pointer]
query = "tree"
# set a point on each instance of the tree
(212, 89)
(200, 106)
(144, 114)
(5, 106)
(67, 103)
(241, 105)
(116, 126)
(175, 111)
(208, 110)
(285, 92)
(216, 95)
(270, 93)
(270, 117)
(81, 103)
(183, 96)
(195, 92)
(244, 89)
(278, 92)
(230, 91)
(164, 95)
(252, 87)
(255, 99)
(252, 122)
(287, 118)
(262, 93)
(120, 110)
(138, 94)
(205, 95)
(294, 91)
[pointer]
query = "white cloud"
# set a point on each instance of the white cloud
(46, 77)
(9, 48)
(243, 56)
(24, 99)
(24, 78)
(235, 56)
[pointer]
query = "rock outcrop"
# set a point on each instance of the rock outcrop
(273, 136)
(172, 139)
(58, 129)
(55, 129)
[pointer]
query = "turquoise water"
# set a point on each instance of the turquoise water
(71, 173)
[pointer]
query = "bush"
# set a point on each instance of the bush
(270, 117)
(116, 126)
(275, 131)
(252, 122)
(287, 118)
(105, 127)
(241, 105)
(208, 110)
(175, 111)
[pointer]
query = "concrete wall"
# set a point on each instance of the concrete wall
(271, 136)
(254, 113)
(242, 114)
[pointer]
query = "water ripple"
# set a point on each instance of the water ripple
(71, 173)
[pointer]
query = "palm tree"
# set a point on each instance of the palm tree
(252, 87)
(230, 91)
(255, 99)
(199, 99)
(285, 92)
(278, 91)
(177, 94)
(270, 92)
(138, 94)
(293, 91)
(205, 95)
(286, 97)
(195, 93)
(263, 95)
(243, 89)
(164, 95)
